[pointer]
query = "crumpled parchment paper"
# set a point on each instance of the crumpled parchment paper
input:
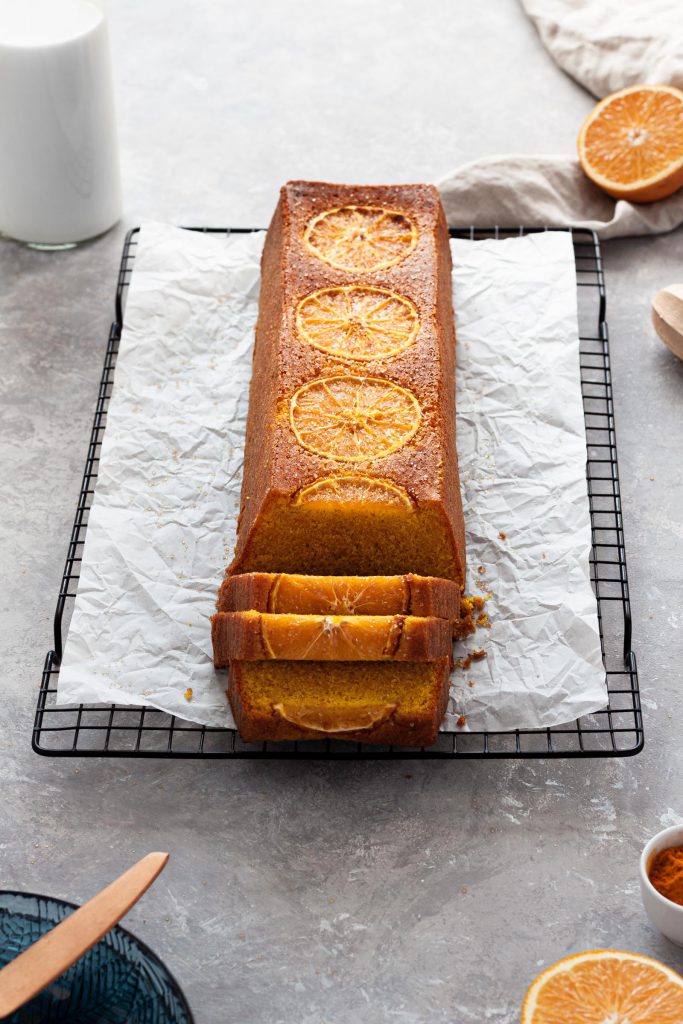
(162, 525)
(522, 457)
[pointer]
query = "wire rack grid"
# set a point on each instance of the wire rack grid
(616, 731)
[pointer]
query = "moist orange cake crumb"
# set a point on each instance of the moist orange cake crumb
(391, 702)
(471, 609)
(464, 663)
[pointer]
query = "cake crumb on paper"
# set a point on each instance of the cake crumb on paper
(464, 663)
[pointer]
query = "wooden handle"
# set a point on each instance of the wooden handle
(667, 317)
(39, 965)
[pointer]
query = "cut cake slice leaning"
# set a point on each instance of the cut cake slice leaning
(260, 636)
(340, 595)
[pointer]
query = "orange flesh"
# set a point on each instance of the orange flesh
(613, 990)
(254, 636)
(330, 637)
(631, 145)
(637, 137)
(339, 595)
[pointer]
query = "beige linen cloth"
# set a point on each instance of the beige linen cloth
(605, 45)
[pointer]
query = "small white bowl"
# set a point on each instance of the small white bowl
(665, 915)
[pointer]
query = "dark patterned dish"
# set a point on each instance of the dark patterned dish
(120, 981)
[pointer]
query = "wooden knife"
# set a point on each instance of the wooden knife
(56, 951)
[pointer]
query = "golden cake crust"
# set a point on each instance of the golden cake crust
(276, 465)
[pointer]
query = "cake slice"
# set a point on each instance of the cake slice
(388, 702)
(340, 595)
(257, 636)
(350, 462)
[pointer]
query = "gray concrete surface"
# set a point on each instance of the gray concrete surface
(332, 893)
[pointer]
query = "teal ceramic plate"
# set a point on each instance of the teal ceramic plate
(120, 981)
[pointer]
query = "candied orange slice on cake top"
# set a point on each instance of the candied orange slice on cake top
(361, 238)
(354, 322)
(353, 419)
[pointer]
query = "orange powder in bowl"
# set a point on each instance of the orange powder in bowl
(665, 871)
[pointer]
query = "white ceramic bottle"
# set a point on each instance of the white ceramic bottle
(59, 170)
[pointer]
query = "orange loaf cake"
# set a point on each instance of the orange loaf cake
(392, 702)
(340, 595)
(350, 464)
(258, 636)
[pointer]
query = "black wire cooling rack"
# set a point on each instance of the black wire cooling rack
(616, 731)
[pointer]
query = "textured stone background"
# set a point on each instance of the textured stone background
(332, 893)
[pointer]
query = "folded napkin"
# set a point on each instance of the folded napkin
(605, 45)
(609, 44)
(547, 190)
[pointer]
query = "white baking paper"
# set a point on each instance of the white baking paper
(163, 521)
(522, 457)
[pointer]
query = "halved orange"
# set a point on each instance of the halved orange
(333, 719)
(605, 986)
(353, 419)
(361, 238)
(357, 323)
(631, 144)
(353, 489)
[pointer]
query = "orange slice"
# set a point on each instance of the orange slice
(293, 636)
(340, 595)
(329, 719)
(361, 238)
(605, 986)
(296, 637)
(354, 489)
(353, 419)
(631, 144)
(357, 323)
